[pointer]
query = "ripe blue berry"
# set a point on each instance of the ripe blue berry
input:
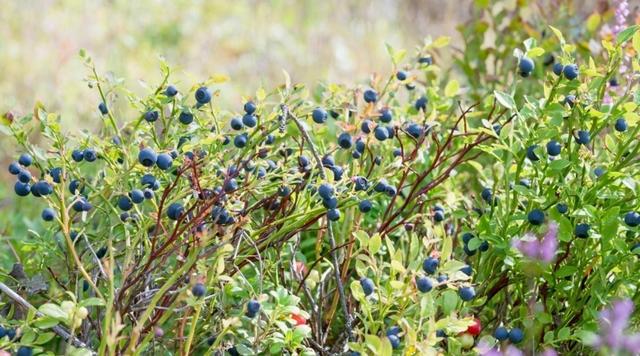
(171, 91)
(553, 148)
(425, 60)
(557, 68)
(424, 284)
(501, 332)
(632, 219)
(164, 161)
(249, 120)
(174, 211)
(366, 125)
(22, 189)
(25, 159)
(415, 130)
(236, 123)
(401, 75)
(367, 286)
(337, 173)
(562, 208)
(240, 141)
(77, 155)
(531, 153)
(198, 290)
(48, 214)
(621, 125)
(149, 181)
(151, 116)
(103, 108)
(421, 103)
(486, 194)
(185, 118)
(137, 196)
(24, 351)
(90, 155)
(438, 215)
(124, 203)
(365, 206)
(250, 107)
(599, 172)
(536, 217)
(14, 168)
(466, 293)
(430, 265)
(583, 137)
(56, 174)
(75, 187)
(386, 115)
(319, 115)
(370, 96)
(147, 157)
(330, 203)
(381, 133)
(516, 335)
(582, 231)
(570, 71)
(43, 188)
(526, 66)
(466, 237)
(467, 270)
(203, 95)
(345, 141)
(333, 214)
(230, 185)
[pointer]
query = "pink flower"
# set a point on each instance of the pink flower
(613, 328)
(544, 249)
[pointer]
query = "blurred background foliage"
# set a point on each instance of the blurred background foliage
(249, 41)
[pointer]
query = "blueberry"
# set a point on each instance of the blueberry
(365, 206)
(171, 91)
(24, 351)
(151, 116)
(414, 130)
(394, 340)
(82, 205)
(327, 161)
(531, 153)
(621, 125)
(90, 155)
(24, 176)
(164, 161)
(76, 187)
(526, 66)
(391, 131)
(381, 133)
(326, 191)
(421, 103)
(149, 181)
(394, 330)
(562, 208)
(102, 251)
(497, 128)
(185, 118)
(249, 120)
(261, 172)
(516, 335)
(56, 174)
(319, 115)
(137, 196)
(525, 182)
(613, 82)
(174, 211)
(250, 107)
(425, 60)
(582, 231)
(103, 108)
(22, 189)
(430, 265)
(570, 71)
(198, 290)
(270, 139)
(147, 157)
(536, 217)
(553, 148)
(337, 173)
(501, 332)
(25, 159)
(401, 75)
(253, 306)
(333, 214)
(124, 216)
(583, 137)
(397, 152)
(203, 95)
(11, 333)
(14, 168)
(236, 123)
(466, 237)
(124, 203)
(442, 278)
(361, 183)
(370, 96)
(365, 126)
(330, 203)
(360, 146)
(467, 270)
(240, 141)
(390, 191)
(43, 188)
(230, 185)
(438, 215)
(486, 195)
(344, 140)
(599, 172)
(557, 68)
(386, 115)
(632, 219)
(367, 286)
(424, 284)
(466, 293)
(441, 333)
(284, 191)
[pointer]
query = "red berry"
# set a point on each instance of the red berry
(299, 320)
(475, 328)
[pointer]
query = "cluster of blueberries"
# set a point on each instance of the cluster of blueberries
(514, 335)
(526, 66)
(11, 335)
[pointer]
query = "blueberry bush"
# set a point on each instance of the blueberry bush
(472, 209)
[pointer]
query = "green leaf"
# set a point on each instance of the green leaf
(505, 99)
(53, 311)
(452, 88)
(92, 302)
(558, 34)
(449, 302)
(559, 164)
(625, 35)
(375, 243)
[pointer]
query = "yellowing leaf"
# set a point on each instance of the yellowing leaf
(374, 244)
(218, 78)
(593, 22)
(558, 34)
(261, 94)
(441, 42)
(452, 88)
(535, 52)
(630, 106)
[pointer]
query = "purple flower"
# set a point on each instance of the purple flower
(613, 334)
(544, 249)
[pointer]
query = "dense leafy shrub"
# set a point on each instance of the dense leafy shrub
(410, 215)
